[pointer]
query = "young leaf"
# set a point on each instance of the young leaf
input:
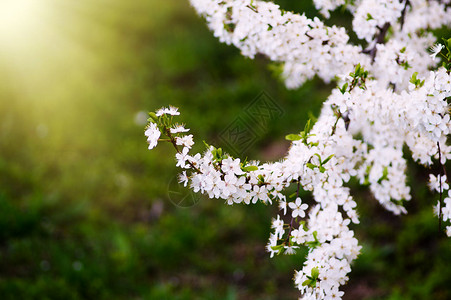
(327, 159)
(292, 137)
(249, 168)
(307, 127)
(319, 157)
(343, 88)
(315, 272)
(153, 116)
(307, 282)
(311, 166)
(384, 175)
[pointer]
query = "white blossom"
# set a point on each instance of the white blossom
(153, 134)
(438, 185)
(178, 129)
(185, 141)
(171, 110)
(298, 208)
(435, 49)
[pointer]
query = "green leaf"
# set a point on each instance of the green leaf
(315, 272)
(406, 65)
(153, 116)
(307, 282)
(357, 70)
(327, 159)
(365, 74)
(319, 157)
(385, 172)
(277, 247)
(249, 168)
(414, 79)
(344, 88)
(292, 137)
(307, 127)
(448, 43)
(303, 135)
(217, 154)
(384, 175)
(315, 243)
(311, 166)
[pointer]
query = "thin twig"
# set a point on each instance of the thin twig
(403, 13)
(379, 40)
(174, 143)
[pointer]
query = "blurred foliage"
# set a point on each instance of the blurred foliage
(86, 210)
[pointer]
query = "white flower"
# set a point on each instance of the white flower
(434, 183)
(283, 206)
(446, 209)
(186, 141)
(299, 235)
(153, 134)
(178, 129)
(298, 208)
(272, 242)
(183, 178)
(230, 165)
(182, 157)
(277, 224)
(167, 111)
(290, 250)
(435, 49)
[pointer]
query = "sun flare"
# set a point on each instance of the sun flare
(16, 16)
(39, 41)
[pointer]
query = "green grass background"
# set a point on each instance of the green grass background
(85, 208)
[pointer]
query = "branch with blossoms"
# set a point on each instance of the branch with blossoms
(390, 95)
(324, 230)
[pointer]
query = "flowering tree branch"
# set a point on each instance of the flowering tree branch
(361, 130)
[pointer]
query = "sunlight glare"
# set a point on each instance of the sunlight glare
(16, 16)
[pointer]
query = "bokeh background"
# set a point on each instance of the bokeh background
(87, 212)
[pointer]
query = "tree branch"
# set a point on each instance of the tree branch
(379, 40)
(403, 13)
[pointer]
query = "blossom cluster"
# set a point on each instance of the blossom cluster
(390, 93)
(307, 47)
(321, 164)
